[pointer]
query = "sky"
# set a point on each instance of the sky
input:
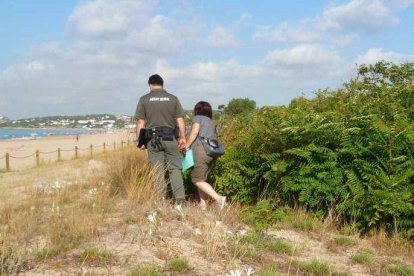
(72, 57)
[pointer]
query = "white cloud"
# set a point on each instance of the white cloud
(366, 15)
(222, 37)
(302, 55)
(285, 33)
(374, 55)
(304, 63)
(208, 71)
(103, 18)
(338, 24)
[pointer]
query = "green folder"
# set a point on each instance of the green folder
(187, 160)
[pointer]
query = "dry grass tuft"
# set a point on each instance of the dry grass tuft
(130, 174)
(392, 245)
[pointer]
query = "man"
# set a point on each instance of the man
(160, 113)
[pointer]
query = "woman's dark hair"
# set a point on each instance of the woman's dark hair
(204, 109)
(156, 80)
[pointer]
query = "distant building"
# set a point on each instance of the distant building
(130, 126)
(125, 118)
(85, 122)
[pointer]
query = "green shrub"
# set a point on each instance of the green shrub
(347, 152)
(264, 214)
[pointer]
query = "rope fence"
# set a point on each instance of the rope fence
(105, 147)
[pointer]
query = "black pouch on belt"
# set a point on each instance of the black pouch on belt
(167, 133)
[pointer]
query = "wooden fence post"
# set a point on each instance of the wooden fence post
(7, 161)
(114, 145)
(122, 144)
(104, 147)
(76, 152)
(37, 158)
(91, 150)
(59, 156)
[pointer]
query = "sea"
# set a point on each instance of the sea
(33, 133)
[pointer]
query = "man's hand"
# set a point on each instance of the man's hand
(182, 144)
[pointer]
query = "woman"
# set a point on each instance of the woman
(203, 126)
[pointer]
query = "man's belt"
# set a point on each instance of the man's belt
(164, 133)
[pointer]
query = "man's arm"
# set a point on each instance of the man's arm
(140, 124)
(181, 139)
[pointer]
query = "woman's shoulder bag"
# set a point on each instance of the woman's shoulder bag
(212, 146)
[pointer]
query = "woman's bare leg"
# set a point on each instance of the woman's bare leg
(207, 189)
(203, 198)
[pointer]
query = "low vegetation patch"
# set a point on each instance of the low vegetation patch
(269, 269)
(344, 241)
(363, 256)
(178, 264)
(401, 269)
(131, 220)
(62, 240)
(314, 267)
(4, 170)
(307, 223)
(149, 270)
(244, 250)
(11, 261)
(280, 246)
(264, 214)
(253, 238)
(93, 254)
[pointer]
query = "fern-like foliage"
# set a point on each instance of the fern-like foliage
(348, 151)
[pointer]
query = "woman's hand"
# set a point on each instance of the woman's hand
(182, 145)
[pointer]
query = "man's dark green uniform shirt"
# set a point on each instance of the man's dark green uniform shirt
(159, 108)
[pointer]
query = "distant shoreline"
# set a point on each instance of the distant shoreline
(39, 133)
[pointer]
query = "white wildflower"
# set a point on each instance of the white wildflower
(197, 232)
(93, 191)
(94, 205)
(242, 232)
(249, 271)
(32, 208)
(234, 273)
(218, 223)
(178, 208)
(152, 217)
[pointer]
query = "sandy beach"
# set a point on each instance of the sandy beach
(23, 152)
